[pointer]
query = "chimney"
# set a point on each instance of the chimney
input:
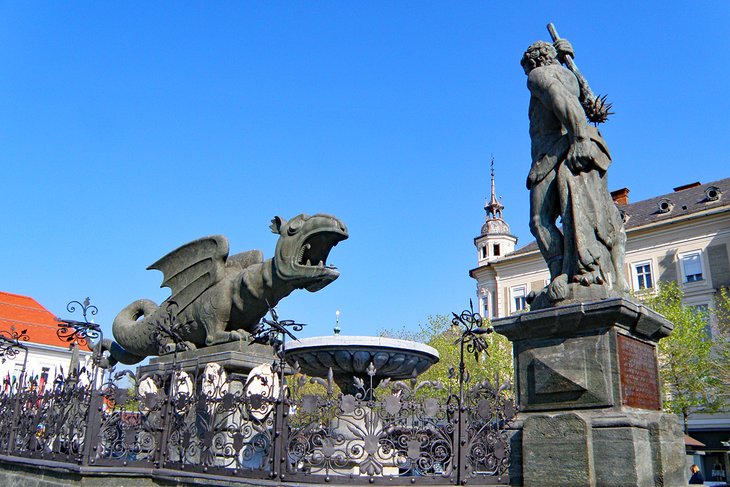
(621, 196)
(687, 186)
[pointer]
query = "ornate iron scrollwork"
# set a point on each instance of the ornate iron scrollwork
(212, 422)
(272, 331)
(474, 330)
(79, 332)
(169, 331)
(10, 343)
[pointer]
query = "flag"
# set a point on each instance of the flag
(58, 383)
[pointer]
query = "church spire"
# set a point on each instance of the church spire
(493, 207)
(495, 224)
(493, 243)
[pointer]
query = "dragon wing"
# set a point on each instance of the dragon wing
(192, 268)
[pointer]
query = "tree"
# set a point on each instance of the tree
(687, 363)
(722, 340)
(495, 365)
(722, 310)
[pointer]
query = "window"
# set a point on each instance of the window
(692, 267)
(495, 249)
(644, 279)
(485, 307)
(519, 302)
(484, 252)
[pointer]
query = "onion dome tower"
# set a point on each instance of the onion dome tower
(495, 240)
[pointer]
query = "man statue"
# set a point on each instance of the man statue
(568, 180)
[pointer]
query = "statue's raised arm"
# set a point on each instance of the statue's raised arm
(596, 108)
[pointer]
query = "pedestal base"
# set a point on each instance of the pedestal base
(237, 357)
(588, 391)
(598, 448)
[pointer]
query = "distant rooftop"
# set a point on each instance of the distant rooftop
(25, 313)
(685, 200)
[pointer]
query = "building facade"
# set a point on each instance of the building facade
(681, 236)
(47, 355)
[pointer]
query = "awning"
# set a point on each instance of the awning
(691, 442)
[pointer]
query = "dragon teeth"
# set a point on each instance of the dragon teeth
(303, 249)
(321, 263)
(309, 262)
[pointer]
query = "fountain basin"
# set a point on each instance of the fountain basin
(351, 356)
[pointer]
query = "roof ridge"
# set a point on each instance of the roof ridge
(684, 191)
(27, 303)
(18, 295)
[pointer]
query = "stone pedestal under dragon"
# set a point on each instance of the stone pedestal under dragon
(217, 298)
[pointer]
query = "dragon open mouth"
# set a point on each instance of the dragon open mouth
(304, 247)
(316, 248)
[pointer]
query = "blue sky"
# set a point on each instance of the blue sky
(128, 129)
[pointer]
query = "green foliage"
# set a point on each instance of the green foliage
(438, 332)
(722, 311)
(305, 385)
(322, 390)
(687, 362)
(722, 339)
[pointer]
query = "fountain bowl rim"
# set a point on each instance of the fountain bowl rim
(362, 341)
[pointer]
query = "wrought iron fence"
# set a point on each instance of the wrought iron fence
(270, 425)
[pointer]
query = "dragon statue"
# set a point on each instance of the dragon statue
(217, 298)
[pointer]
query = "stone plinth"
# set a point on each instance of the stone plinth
(237, 357)
(587, 386)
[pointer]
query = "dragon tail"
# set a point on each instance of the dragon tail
(135, 337)
(117, 354)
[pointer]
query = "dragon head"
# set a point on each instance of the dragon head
(303, 247)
